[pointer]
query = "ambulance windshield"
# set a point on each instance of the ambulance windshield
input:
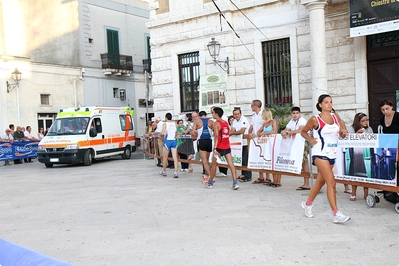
(69, 126)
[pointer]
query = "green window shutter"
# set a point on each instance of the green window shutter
(113, 46)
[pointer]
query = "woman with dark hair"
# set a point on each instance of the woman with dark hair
(186, 147)
(360, 125)
(326, 129)
(390, 120)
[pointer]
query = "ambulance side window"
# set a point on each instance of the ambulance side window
(97, 125)
(126, 119)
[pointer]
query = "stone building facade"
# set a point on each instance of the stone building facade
(323, 57)
(71, 54)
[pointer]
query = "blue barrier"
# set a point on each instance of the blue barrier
(18, 150)
(15, 255)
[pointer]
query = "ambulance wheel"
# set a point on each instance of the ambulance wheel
(127, 153)
(397, 207)
(48, 165)
(370, 201)
(87, 159)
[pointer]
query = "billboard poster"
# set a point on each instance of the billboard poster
(213, 92)
(368, 158)
(277, 153)
(373, 16)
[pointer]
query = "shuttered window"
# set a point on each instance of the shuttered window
(277, 71)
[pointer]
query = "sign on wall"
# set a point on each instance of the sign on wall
(373, 16)
(213, 92)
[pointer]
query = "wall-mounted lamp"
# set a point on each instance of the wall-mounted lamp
(214, 49)
(16, 75)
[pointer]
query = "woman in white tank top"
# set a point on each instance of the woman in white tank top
(326, 129)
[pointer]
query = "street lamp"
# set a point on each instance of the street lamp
(16, 75)
(214, 49)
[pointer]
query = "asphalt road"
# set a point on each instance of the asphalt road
(121, 212)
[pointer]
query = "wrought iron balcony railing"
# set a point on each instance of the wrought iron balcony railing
(117, 61)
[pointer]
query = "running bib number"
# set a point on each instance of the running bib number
(330, 148)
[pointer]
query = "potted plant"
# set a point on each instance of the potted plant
(282, 114)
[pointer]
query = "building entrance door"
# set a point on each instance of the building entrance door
(383, 72)
(45, 120)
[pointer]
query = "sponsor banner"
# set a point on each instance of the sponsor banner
(277, 153)
(18, 150)
(289, 153)
(236, 151)
(368, 158)
(373, 16)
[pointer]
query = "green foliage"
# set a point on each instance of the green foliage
(282, 114)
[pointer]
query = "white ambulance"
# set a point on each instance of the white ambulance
(87, 133)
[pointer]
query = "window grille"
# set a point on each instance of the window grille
(189, 81)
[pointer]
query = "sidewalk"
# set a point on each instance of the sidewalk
(121, 212)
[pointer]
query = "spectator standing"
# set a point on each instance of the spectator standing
(294, 127)
(18, 136)
(12, 128)
(390, 120)
(268, 128)
(28, 136)
(7, 137)
(360, 125)
(40, 135)
(327, 127)
(180, 129)
(241, 127)
(255, 125)
(149, 139)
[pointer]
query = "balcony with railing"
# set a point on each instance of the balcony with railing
(117, 64)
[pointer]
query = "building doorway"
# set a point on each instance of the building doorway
(45, 120)
(383, 72)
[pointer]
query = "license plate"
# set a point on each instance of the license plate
(54, 160)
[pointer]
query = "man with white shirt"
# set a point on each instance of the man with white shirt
(256, 124)
(241, 126)
(28, 136)
(293, 128)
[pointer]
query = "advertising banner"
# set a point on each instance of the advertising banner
(18, 150)
(368, 158)
(236, 151)
(277, 153)
(373, 16)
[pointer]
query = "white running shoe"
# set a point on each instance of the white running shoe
(175, 175)
(162, 173)
(235, 187)
(340, 218)
(308, 210)
(220, 175)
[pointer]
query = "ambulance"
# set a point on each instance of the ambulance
(87, 133)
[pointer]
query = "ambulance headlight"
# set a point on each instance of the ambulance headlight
(41, 148)
(72, 147)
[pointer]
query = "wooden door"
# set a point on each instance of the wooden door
(383, 82)
(383, 72)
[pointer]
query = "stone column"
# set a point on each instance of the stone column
(317, 48)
